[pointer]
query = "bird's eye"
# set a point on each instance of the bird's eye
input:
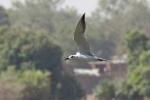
(71, 56)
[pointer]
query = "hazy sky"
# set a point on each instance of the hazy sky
(81, 5)
(6, 3)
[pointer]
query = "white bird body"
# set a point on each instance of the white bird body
(84, 53)
(82, 57)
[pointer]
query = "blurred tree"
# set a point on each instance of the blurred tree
(24, 85)
(109, 8)
(35, 14)
(136, 87)
(138, 76)
(106, 27)
(105, 91)
(48, 16)
(137, 43)
(113, 18)
(70, 89)
(26, 48)
(4, 20)
(140, 80)
(36, 25)
(145, 58)
(127, 92)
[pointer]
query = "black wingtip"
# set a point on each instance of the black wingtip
(82, 22)
(83, 16)
(101, 59)
(83, 19)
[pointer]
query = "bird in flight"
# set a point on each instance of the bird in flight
(84, 53)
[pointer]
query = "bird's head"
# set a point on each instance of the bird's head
(71, 57)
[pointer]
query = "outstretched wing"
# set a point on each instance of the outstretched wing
(79, 36)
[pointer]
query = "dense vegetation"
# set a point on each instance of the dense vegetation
(131, 19)
(36, 34)
(31, 61)
(136, 86)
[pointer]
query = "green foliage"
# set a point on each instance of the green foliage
(140, 80)
(105, 91)
(35, 14)
(123, 91)
(114, 18)
(70, 89)
(38, 85)
(138, 76)
(137, 43)
(27, 49)
(29, 44)
(24, 85)
(46, 15)
(145, 58)
(127, 92)
(4, 20)
(60, 24)
(34, 77)
(37, 24)
(136, 87)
